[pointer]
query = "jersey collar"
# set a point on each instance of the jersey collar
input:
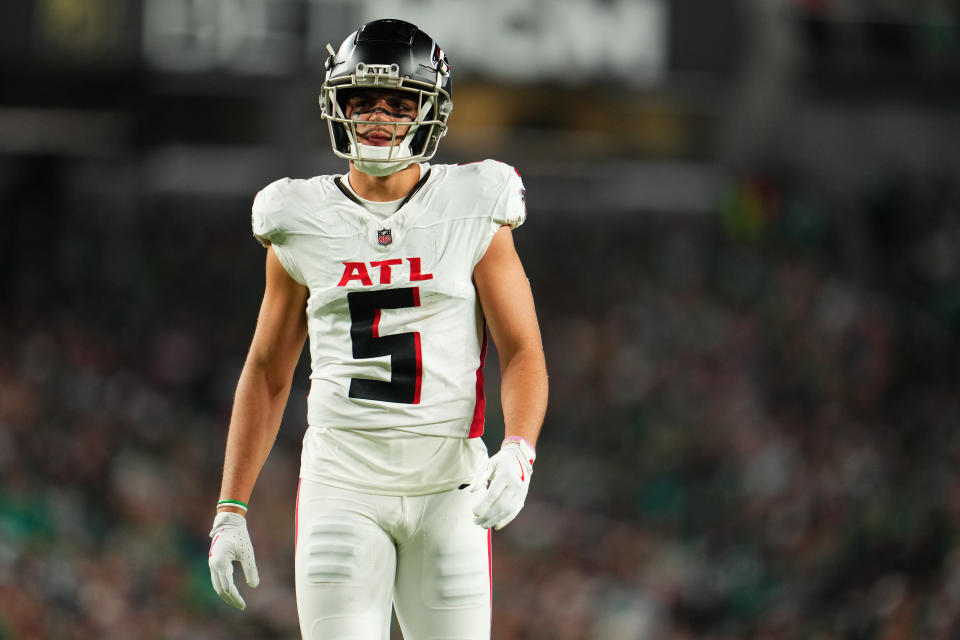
(349, 194)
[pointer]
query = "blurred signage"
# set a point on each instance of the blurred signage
(566, 41)
(68, 34)
(87, 30)
(242, 36)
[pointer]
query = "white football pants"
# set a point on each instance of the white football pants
(357, 552)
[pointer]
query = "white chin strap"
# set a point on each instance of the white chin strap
(374, 160)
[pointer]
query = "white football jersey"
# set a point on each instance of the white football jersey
(397, 336)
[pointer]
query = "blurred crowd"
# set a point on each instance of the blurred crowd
(752, 430)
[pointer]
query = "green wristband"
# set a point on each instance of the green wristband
(231, 503)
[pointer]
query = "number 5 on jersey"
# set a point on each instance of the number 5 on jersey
(406, 370)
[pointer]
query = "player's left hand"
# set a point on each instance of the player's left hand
(231, 542)
(501, 485)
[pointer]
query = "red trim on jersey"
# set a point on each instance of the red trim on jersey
(376, 323)
(416, 346)
(476, 427)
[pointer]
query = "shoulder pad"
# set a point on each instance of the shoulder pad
(511, 207)
(501, 184)
(268, 206)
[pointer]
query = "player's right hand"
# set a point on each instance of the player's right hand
(501, 485)
(231, 542)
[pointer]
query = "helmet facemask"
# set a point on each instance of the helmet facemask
(421, 139)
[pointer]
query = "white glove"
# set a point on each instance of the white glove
(231, 542)
(501, 485)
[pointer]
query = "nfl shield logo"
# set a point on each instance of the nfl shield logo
(384, 236)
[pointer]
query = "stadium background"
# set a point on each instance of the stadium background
(744, 242)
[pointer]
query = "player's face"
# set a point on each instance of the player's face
(379, 107)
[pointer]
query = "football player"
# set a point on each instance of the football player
(395, 271)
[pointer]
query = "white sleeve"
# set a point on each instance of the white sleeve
(511, 207)
(267, 212)
(507, 200)
(268, 215)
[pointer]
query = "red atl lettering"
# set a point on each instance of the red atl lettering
(415, 271)
(384, 266)
(355, 271)
(358, 271)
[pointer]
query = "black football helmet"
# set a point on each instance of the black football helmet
(395, 55)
